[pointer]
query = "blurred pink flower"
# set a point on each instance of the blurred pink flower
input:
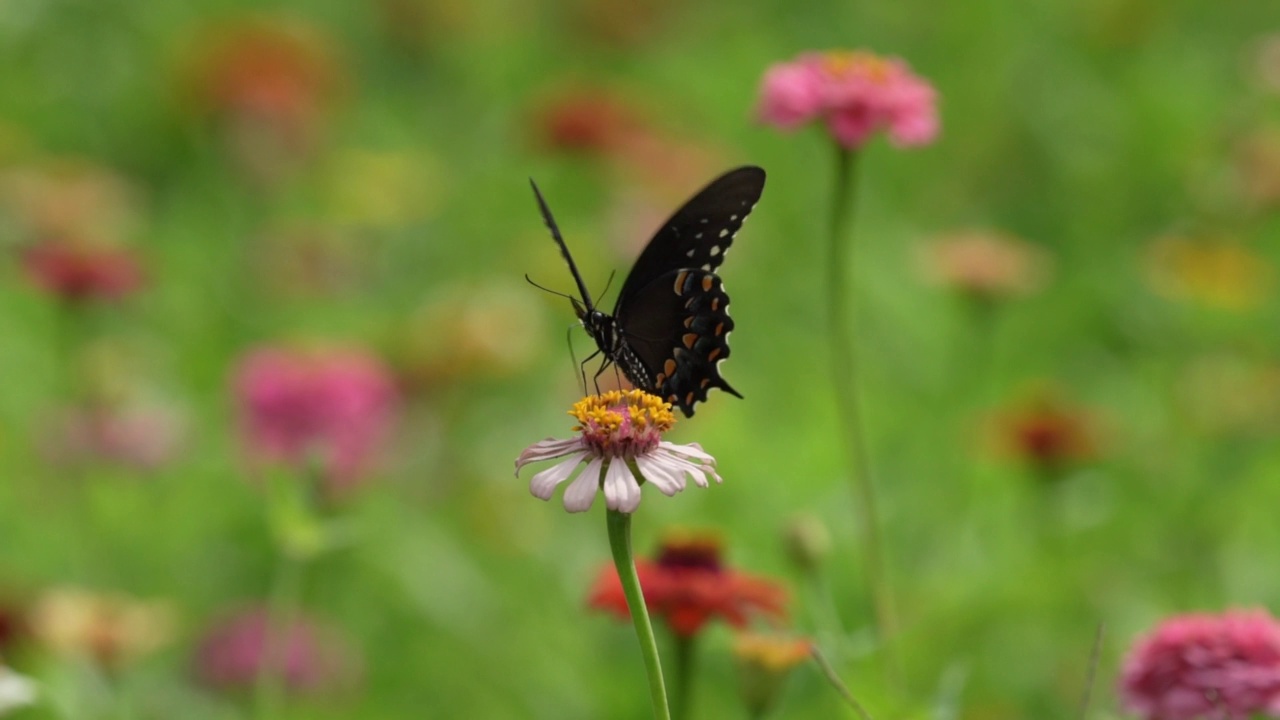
(856, 93)
(1196, 666)
(79, 272)
(984, 265)
(137, 436)
(336, 406)
(233, 653)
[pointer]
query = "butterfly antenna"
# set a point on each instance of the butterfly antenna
(547, 289)
(564, 249)
(609, 283)
(568, 340)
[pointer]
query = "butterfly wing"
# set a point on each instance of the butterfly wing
(677, 330)
(698, 234)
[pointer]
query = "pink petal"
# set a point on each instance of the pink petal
(668, 483)
(581, 493)
(790, 95)
(547, 449)
(621, 491)
(543, 484)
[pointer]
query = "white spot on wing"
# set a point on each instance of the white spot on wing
(707, 267)
(733, 218)
(704, 221)
(690, 253)
(724, 232)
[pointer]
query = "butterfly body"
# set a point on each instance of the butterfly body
(670, 326)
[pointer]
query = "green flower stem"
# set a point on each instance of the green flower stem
(843, 369)
(620, 544)
(683, 685)
(282, 609)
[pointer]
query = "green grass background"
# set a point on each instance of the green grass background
(1089, 128)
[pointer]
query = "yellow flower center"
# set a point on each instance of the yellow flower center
(846, 63)
(622, 423)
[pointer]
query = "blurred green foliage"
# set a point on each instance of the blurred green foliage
(387, 205)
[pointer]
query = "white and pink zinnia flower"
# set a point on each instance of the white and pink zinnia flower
(856, 94)
(1203, 666)
(620, 437)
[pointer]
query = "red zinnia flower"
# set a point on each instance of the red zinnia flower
(1048, 433)
(1202, 666)
(81, 271)
(688, 586)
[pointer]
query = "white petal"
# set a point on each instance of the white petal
(693, 450)
(667, 482)
(544, 483)
(582, 492)
(15, 691)
(682, 467)
(621, 491)
(547, 449)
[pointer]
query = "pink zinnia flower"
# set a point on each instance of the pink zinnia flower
(336, 407)
(1202, 666)
(79, 272)
(617, 429)
(233, 654)
(856, 94)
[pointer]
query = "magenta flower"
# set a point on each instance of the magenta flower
(856, 94)
(233, 653)
(334, 407)
(1202, 666)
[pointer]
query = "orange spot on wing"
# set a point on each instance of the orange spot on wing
(662, 377)
(689, 339)
(688, 399)
(679, 286)
(705, 382)
(713, 354)
(688, 321)
(715, 304)
(670, 367)
(719, 328)
(707, 282)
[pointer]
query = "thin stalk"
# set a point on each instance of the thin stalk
(844, 377)
(682, 693)
(282, 610)
(620, 543)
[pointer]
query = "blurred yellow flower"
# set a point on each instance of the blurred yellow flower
(1212, 271)
(70, 200)
(472, 329)
(111, 629)
(764, 663)
(382, 189)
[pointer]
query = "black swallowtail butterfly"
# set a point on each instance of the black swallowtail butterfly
(670, 326)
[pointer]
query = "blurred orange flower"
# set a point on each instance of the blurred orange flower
(688, 586)
(1257, 166)
(986, 265)
(269, 82)
(1213, 271)
(70, 200)
(111, 629)
(764, 663)
(1047, 433)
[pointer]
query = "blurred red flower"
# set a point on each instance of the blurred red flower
(233, 653)
(1047, 433)
(79, 272)
(857, 94)
(688, 586)
(585, 120)
(336, 407)
(1201, 665)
